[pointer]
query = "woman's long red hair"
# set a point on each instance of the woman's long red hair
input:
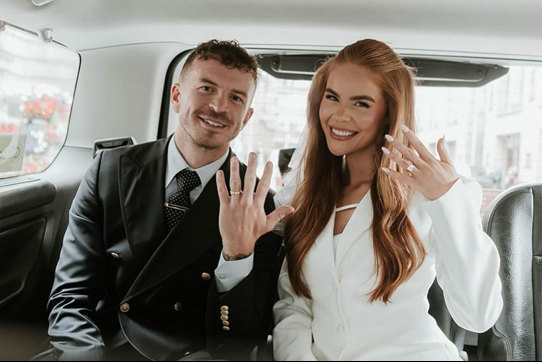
(397, 247)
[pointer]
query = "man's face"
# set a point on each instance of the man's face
(213, 103)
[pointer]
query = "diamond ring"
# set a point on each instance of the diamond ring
(410, 167)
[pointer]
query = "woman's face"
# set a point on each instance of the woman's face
(352, 110)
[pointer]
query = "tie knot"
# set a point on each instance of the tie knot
(187, 180)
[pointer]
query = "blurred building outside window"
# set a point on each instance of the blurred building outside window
(37, 83)
(487, 143)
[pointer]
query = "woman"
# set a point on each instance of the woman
(376, 218)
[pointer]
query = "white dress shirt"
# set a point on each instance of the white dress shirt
(228, 273)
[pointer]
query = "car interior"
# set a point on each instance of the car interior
(78, 77)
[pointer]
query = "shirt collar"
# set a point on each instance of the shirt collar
(177, 163)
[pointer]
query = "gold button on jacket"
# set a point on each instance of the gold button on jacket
(124, 307)
(177, 306)
(205, 276)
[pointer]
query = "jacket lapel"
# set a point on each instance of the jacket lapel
(193, 236)
(323, 245)
(141, 180)
(359, 223)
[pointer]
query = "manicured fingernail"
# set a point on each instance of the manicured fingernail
(405, 129)
(389, 138)
(385, 150)
(386, 170)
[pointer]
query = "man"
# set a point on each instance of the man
(145, 271)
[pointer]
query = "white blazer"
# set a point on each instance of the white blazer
(339, 323)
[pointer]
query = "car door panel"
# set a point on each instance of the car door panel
(33, 220)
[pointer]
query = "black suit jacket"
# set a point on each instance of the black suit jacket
(121, 276)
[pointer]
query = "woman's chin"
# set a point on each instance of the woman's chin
(336, 151)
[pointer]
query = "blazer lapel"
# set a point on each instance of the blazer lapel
(193, 236)
(359, 223)
(323, 245)
(141, 180)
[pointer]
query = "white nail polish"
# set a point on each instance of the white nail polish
(385, 150)
(389, 138)
(405, 128)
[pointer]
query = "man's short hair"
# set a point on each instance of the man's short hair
(228, 53)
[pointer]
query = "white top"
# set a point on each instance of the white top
(339, 323)
(346, 207)
(337, 238)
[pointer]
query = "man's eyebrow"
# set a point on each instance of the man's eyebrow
(354, 98)
(205, 80)
(240, 92)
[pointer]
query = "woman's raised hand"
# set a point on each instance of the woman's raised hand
(423, 172)
(242, 217)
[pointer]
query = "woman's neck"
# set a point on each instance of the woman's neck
(361, 167)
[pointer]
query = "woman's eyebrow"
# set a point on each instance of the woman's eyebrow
(354, 98)
(363, 98)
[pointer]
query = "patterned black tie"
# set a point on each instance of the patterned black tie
(179, 203)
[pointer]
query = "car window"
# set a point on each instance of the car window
(493, 132)
(37, 82)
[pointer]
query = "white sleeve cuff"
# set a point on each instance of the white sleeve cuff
(230, 273)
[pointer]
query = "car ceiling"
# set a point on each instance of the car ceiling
(507, 29)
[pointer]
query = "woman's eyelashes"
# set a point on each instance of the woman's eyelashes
(334, 98)
(331, 97)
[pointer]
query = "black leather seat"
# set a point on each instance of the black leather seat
(514, 222)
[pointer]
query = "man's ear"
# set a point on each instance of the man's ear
(250, 112)
(175, 97)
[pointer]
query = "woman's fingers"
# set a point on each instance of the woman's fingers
(418, 145)
(443, 152)
(406, 152)
(399, 176)
(432, 178)
(401, 162)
